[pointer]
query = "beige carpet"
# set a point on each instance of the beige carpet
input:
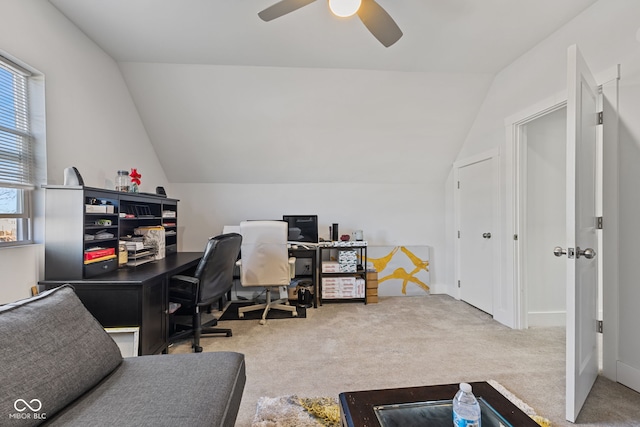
(411, 341)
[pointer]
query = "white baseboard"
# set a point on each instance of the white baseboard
(439, 288)
(547, 318)
(628, 376)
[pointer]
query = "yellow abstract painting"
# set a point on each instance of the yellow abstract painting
(402, 270)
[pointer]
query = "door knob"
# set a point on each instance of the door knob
(486, 235)
(587, 253)
(558, 251)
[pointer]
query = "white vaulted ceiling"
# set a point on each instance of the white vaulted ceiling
(226, 97)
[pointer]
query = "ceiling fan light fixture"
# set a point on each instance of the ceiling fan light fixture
(344, 8)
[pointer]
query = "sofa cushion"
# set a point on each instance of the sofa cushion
(52, 350)
(164, 390)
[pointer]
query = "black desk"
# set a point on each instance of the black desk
(134, 296)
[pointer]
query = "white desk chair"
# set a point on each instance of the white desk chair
(231, 229)
(265, 263)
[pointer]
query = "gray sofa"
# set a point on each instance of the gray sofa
(59, 367)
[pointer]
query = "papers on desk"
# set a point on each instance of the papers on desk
(342, 244)
(153, 236)
(103, 234)
(303, 245)
(134, 246)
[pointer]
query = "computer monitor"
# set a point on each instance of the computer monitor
(302, 228)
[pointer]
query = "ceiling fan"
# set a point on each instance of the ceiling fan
(372, 15)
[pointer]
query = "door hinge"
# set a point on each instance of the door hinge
(515, 237)
(458, 234)
(599, 222)
(458, 185)
(458, 283)
(600, 118)
(599, 326)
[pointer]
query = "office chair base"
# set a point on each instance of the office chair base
(208, 331)
(281, 304)
(190, 331)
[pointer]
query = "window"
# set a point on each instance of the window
(16, 155)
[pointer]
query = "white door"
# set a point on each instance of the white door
(582, 268)
(476, 189)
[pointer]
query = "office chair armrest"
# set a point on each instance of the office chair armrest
(183, 289)
(292, 267)
(186, 279)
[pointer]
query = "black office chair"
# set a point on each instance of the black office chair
(212, 279)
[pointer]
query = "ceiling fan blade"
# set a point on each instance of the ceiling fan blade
(282, 8)
(379, 22)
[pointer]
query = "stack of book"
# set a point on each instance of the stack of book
(97, 254)
(342, 287)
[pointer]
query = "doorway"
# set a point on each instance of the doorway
(541, 148)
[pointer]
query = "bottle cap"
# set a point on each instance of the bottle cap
(466, 388)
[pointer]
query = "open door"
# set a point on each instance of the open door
(582, 267)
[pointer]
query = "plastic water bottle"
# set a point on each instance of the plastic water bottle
(466, 409)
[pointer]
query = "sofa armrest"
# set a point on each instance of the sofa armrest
(53, 350)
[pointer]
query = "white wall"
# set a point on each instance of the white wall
(540, 74)
(366, 149)
(21, 269)
(629, 167)
(91, 121)
(606, 34)
(254, 125)
(389, 214)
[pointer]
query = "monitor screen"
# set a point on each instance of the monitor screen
(302, 228)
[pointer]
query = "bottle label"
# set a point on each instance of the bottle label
(461, 422)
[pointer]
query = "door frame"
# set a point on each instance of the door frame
(517, 194)
(487, 155)
(610, 235)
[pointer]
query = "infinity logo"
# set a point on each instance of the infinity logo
(37, 405)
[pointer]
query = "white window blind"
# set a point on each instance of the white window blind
(16, 151)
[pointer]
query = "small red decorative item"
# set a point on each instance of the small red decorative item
(135, 176)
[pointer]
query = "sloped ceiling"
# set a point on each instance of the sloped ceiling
(228, 98)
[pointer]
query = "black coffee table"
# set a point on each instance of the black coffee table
(425, 406)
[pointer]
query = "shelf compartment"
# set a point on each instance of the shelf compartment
(103, 214)
(67, 207)
(343, 300)
(342, 286)
(137, 262)
(94, 241)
